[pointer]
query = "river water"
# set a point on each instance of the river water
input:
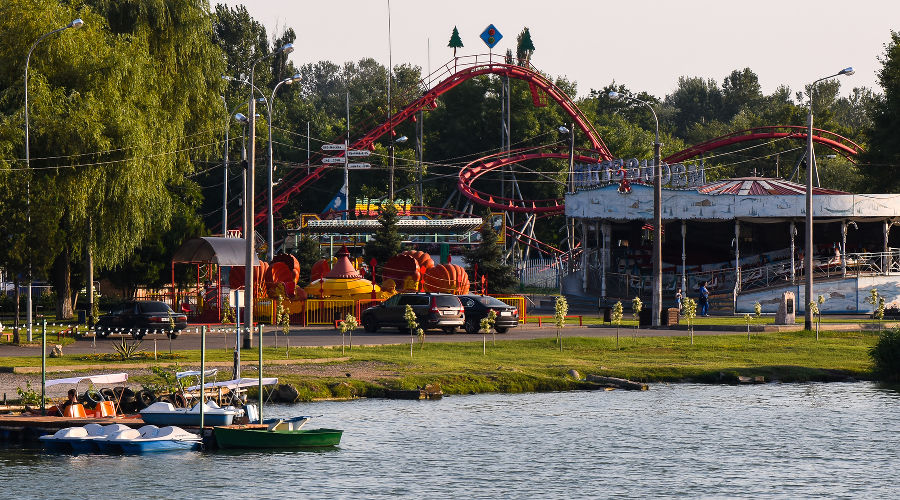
(774, 440)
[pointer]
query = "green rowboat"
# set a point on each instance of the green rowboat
(261, 437)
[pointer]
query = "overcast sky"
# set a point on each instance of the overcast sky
(645, 44)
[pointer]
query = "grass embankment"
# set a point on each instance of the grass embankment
(627, 320)
(538, 365)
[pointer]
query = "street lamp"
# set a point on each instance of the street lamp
(249, 208)
(810, 167)
(657, 212)
(570, 224)
(77, 23)
(270, 252)
(399, 140)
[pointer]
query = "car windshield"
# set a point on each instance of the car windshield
(446, 301)
(490, 301)
(155, 307)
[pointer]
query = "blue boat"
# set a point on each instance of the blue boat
(163, 414)
(169, 438)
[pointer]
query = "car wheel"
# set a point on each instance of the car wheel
(502, 329)
(472, 327)
(370, 325)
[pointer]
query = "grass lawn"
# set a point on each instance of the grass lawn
(539, 365)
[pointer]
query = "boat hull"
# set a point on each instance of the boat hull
(140, 447)
(262, 438)
(189, 419)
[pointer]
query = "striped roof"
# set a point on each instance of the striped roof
(760, 186)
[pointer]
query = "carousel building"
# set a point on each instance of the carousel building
(742, 237)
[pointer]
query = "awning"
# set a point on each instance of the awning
(236, 384)
(196, 373)
(112, 378)
(214, 250)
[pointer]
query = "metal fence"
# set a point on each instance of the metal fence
(516, 301)
(327, 311)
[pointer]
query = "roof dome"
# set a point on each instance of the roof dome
(757, 186)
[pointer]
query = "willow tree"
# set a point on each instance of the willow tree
(118, 111)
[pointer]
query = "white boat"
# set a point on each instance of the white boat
(111, 442)
(170, 438)
(81, 439)
(162, 413)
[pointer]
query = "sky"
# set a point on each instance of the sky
(645, 44)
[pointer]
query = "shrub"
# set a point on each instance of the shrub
(885, 355)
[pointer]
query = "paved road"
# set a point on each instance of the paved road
(326, 336)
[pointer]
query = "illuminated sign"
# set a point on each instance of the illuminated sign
(609, 171)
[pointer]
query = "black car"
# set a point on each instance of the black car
(477, 308)
(140, 318)
(433, 310)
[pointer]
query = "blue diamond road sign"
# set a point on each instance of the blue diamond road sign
(491, 36)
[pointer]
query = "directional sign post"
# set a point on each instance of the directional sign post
(359, 166)
(333, 159)
(333, 147)
(358, 152)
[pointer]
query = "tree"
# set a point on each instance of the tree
(524, 47)
(308, 252)
(455, 41)
(616, 318)
(489, 256)
(96, 101)
(560, 310)
(740, 90)
(883, 154)
(387, 242)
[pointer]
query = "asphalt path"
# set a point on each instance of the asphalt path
(328, 336)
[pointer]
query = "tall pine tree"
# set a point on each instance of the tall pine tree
(387, 242)
(501, 278)
(524, 47)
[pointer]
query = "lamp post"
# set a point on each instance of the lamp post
(810, 167)
(657, 212)
(270, 252)
(399, 140)
(570, 178)
(77, 23)
(250, 187)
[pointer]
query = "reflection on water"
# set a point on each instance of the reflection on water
(775, 440)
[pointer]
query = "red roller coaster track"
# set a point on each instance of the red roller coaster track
(472, 67)
(477, 65)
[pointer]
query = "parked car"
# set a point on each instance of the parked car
(477, 308)
(140, 318)
(433, 310)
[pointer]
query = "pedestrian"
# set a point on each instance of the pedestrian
(704, 300)
(678, 297)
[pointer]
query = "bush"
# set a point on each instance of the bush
(886, 355)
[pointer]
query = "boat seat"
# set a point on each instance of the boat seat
(94, 429)
(113, 428)
(75, 411)
(148, 431)
(279, 425)
(105, 409)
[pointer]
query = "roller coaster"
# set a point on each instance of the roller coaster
(463, 68)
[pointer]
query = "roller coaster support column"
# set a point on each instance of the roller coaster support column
(810, 167)
(570, 224)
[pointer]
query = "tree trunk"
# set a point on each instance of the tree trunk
(62, 283)
(16, 321)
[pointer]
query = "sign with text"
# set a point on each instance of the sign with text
(633, 170)
(359, 166)
(333, 147)
(336, 159)
(358, 152)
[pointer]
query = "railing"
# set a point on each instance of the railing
(856, 265)
(327, 311)
(518, 302)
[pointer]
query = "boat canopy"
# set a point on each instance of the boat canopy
(112, 378)
(236, 383)
(196, 373)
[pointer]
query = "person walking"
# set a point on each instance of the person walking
(704, 300)
(678, 297)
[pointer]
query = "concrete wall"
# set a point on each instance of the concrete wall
(841, 296)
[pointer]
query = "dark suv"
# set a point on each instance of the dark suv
(477, 308)
(433, 310)
(140, 318)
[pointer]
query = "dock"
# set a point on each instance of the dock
(25, 429)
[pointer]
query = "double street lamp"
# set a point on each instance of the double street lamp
(249, 210)
(657, 212)
(810, 167)
(270, 253)
(77, 23)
